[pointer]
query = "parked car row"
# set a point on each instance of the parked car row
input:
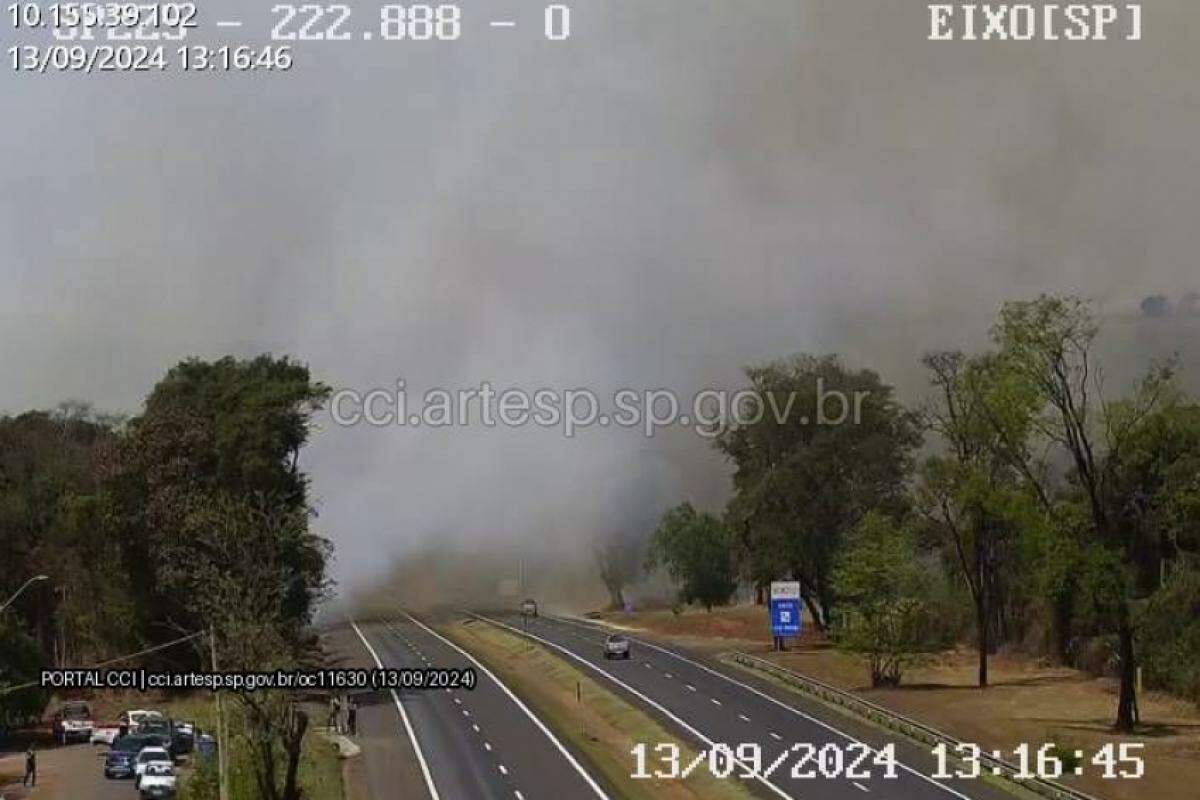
(143, 745)
(147, 747)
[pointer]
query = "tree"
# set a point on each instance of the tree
(215, 434)
(1046, 346)
(882, 582)
(1160, 475)
(53, 465)
(696, 550)
(1169, 635)
(970, 495)
(20, 663)
(618, 559)
(259, 413)
(237, 578)
(193, 516)
(830, 445)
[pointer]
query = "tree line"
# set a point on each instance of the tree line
(192, 516)
(1025, 503)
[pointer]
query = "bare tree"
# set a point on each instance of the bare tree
(618, 558)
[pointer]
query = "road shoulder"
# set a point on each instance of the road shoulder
(387, 765)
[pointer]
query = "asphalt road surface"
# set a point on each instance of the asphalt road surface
(717, 705)
(482, 743)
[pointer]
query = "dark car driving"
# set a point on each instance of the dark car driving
(119, 761)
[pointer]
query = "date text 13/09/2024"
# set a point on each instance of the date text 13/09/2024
(859, 762)
(85, 59)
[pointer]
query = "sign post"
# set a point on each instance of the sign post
(786, 617)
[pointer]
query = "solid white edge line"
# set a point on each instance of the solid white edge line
(521, 705)
(656, 706)
(412, 735)
(779, 703)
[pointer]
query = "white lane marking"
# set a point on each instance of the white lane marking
(646, 664)
(595, 787)
(457, 701)
(859, 786)
(743, 718)
(667, 675)
(657, 706)
(412, 736)
(781, 704)
(503, 770)
(776, 736)
(474, 727)
(715, 701)
(466, 713)
(487, 746)
(690, 688)
(518, 795)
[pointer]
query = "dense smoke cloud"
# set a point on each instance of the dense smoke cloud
(680, 189)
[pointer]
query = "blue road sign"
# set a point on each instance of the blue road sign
(785, 616)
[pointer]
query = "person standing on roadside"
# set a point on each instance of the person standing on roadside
(352, 717)
(335, 714)
(30, 767)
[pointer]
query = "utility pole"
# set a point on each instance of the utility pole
(221, 782)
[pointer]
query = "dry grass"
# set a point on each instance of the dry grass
(1027, 701)
(602, 727)
(738, 626)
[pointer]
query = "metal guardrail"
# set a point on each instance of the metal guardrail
(897, 722)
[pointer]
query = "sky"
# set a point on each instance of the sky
(681, 188)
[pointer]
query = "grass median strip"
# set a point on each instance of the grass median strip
(599, 725)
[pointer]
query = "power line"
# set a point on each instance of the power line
(119, 659)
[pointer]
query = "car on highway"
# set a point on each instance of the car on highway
(529, 608)
(616, 646)
(73, 722)
(147, 757)
(157, 782)
(119, 761)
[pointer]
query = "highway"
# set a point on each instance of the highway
(483, 743)
(713, 704)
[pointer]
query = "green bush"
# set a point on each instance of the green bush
(20, 662)
(1169, 636)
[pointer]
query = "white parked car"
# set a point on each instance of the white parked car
(158, 781)
(105, 734)
(134, 718)
(131, 719)
(147, 757)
